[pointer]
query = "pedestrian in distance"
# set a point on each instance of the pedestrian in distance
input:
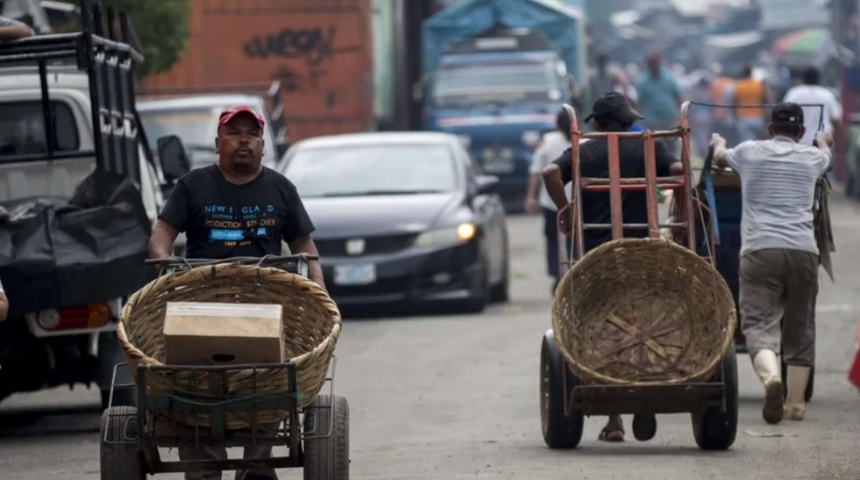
(551, 147)
(810, 92)
(234, 208)
(610, 113)
(779, 254)
(751, 121)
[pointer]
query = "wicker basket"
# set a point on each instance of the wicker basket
(312, 325)
(639, 311)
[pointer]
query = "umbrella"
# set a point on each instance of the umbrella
(803, 42)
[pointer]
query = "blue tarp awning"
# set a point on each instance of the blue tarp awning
(469, 18)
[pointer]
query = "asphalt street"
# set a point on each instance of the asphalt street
(456, 397)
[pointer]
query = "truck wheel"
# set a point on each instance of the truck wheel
(327, 458)
(119, 455)
(559, 431)
(716, 429)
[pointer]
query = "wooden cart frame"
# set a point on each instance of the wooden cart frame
(565, 402)
(316, 437)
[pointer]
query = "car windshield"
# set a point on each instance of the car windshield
(196, 127)
(476, 85)
(359, 170)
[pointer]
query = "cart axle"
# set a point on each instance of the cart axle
(646, 399)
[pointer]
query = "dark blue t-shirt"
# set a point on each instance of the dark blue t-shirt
(203, 205)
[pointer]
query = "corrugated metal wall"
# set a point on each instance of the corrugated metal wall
(321, 50)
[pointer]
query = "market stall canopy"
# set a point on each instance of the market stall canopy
(807, 41)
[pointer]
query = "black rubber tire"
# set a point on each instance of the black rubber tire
(327, 458)
(500, 293)
(810, 384)
(479, 304)
(120, 461)
(644, 427)
(716, 429)
(559, 431)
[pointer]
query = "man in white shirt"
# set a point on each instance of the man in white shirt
(779, 253)
(552, 146)
(810, 92)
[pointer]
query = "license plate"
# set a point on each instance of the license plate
(498, 166)
(362, 274)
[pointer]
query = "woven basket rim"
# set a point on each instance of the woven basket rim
(320, 294)
(588, 375)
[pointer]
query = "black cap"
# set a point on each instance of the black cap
(787, 113)
(615, 105)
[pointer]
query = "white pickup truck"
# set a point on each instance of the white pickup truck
(83, 83)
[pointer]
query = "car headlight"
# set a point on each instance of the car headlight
(531, 138)
(446, 236)
(488, 154)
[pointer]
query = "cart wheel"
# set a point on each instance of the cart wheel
(559, 431)
(810, 385)
(120, 457)
(327, 458)
(716, 429)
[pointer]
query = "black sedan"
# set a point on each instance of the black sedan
(403, 218)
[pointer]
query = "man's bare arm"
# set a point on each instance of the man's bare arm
(14, 32)
(824, 141)
(4, 306)
(306, 245)
(162, 239)
(554, 186)
(532, 191)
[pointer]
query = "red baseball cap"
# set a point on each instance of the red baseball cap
(231, 113)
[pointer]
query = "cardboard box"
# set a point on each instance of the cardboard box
(223, 333)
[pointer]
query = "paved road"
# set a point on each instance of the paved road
(457, 397)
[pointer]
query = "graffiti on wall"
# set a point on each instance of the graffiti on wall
(312, 47)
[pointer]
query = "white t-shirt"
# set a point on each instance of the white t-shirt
(778, 179)
(815, 95)
(553, 145)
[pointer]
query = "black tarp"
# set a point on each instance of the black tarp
(65, 252)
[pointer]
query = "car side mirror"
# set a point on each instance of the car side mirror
(487, 184)
(173, 158)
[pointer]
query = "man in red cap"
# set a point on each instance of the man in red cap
(235, 208)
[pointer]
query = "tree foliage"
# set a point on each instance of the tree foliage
(161, 27)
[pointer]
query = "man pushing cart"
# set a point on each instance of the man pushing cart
(642, 325)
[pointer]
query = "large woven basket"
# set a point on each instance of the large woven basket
(312, 324)
(639, 311)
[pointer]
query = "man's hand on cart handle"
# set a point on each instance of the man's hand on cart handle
(823, 138)
(718, 143)
(565, 226)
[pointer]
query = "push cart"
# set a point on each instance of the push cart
(316, 435)
(566, 399)
(721, 188)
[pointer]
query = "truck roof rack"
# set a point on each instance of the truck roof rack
(501, 38)
(109, 65)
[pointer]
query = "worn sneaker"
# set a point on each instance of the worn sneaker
(773, 411)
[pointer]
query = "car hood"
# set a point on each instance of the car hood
(376, 215)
